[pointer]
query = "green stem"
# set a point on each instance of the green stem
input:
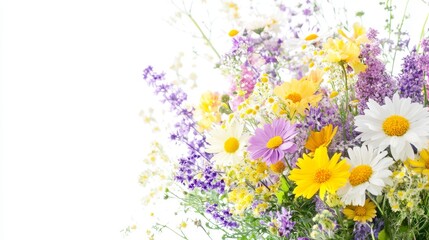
(346, 104)
(399, 36)
(372, 232)
(178, 234)
(203, 35)
(425, 91)
(422, 33)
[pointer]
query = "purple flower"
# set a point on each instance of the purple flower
(362, 231)
(196, 162)
(374, 83)
(410, 79)
(273, 141)
(283, 218)
(224, 217)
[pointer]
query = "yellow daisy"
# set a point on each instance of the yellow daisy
(298, 95)
(359, 34)
(362, 214)
(420, 164)
(338, 51)
(319, 174)
(321, 139)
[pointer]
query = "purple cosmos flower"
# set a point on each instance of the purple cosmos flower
(273, 141)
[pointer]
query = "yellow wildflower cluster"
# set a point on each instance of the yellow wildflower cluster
(246, 179)
(259, 104)
(241, 198)
(249, 171)
(208, 110)
(404, 193)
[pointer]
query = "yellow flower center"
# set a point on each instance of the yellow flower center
(231, 145)
(294, 97)
(360, 211)
(360, 174)
(322, 175)
(396, 125)
(274, 142)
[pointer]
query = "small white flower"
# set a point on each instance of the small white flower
(369, 172)
(227, 144)
(398, 124)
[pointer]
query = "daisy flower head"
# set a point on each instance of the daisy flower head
(227, 144)
(363, 213)
(319, 173)
(369, 172)
(321, 139)
(298, 95)
(272, 141)
(398, 124)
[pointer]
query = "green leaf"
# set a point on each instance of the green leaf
(382, 235)
(280, 195)
(284, 184)
(360, 14)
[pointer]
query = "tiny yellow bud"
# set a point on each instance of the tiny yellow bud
(231, 116)
(233, 32)
(311, 65)
(249, 111)
(304, 47)
(333, 94)
(321, 52)
(326, 69)
(311, 37)
(270, 100)
(241, 93)
(257, 107)
(264, 78)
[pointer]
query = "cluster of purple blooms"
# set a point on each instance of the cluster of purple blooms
(224, 217)
(362, 231)
(284, 217)
(374, 83)
(197, 161)
(411, 79)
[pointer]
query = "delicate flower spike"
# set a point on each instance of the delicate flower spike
(369, 172)
(227, 144)
(398, 124)
(319, 173)
(272, 141)
(363, 213)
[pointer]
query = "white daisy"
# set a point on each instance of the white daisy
(398, 124)
(369, 171)
(227, 144)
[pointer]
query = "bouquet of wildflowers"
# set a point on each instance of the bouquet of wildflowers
(319, 141)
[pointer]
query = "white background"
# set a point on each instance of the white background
(72, 140)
